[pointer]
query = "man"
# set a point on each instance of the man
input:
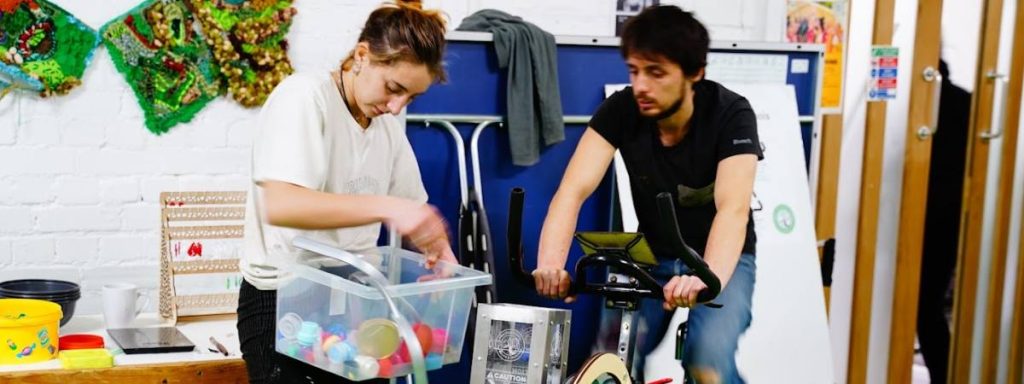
(695, 139)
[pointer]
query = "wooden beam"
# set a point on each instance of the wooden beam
(200, 372)
(974, 195)
(867, 222)
(914, 197)
(1011, 119)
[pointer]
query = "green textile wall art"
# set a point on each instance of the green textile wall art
(248, 42)
(159, 50)
(43, 48)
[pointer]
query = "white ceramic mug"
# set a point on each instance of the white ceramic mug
(121, 304)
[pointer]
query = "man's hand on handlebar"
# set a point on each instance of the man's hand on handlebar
(681, 292)
(553, 283)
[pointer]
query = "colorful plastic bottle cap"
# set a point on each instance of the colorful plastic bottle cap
(309, 356)
(386, 369)
(309, 334)
(424, 335)
(440, 341)
(289, 325)
(433, 361)
(336, 329)
(80, 341)
(329, 341)
(366, 366)
(377, 338)
(341, 352)
(294, 350)
(403, 353)
(396, 360)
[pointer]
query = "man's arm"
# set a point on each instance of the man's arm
(734, 185)
(587, 167)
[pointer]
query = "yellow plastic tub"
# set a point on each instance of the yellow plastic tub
(28, 330)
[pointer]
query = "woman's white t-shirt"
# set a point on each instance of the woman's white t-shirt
(307, 137)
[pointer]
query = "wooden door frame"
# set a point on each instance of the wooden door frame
(922, 118)
(1011, 119)
(867, 220)
(972, 217)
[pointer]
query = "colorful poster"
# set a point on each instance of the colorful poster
(822, 22)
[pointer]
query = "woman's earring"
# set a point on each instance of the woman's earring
(356, 69)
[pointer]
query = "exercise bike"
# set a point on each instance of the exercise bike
(630, 259)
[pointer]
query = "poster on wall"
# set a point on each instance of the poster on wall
(626, 9)
(884, 72)
(822, 22)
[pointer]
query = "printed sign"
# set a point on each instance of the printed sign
(884, 71)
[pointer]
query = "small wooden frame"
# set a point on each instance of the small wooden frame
(201, 242)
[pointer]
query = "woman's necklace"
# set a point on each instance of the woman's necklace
(361, 119)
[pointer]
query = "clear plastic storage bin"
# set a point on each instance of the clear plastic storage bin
(339, 319)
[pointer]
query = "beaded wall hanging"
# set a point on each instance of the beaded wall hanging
(166, 61)
(248, 41)
(42, 47)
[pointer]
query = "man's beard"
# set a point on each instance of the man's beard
(671, 110)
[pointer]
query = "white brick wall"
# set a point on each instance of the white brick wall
(80, 176)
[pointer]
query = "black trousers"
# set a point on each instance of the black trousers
(257, 313)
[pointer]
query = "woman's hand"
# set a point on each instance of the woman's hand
(423, 225)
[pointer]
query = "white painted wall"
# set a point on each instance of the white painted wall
(960, 32)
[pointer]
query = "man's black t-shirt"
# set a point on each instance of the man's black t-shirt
(723, 124)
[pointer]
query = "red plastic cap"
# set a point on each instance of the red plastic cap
(80, 341)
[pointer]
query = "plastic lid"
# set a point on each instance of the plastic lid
(80, 341)
(28, 312)
(289, 325)
(378, 338)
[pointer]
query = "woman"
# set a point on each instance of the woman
(330, 162)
